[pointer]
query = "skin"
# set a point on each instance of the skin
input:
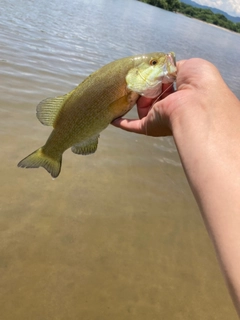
(203, 116)
(79, 116)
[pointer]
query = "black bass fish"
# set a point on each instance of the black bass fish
(80, 115)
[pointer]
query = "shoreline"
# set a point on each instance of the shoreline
(211, 24)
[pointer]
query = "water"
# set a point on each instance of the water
(118, 235)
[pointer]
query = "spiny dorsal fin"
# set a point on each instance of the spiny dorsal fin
(87, 146)
(47, 109)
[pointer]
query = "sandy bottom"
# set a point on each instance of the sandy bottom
(116, 236)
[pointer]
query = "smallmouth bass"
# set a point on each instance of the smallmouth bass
(79, 116)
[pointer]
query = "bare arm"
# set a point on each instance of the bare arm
(204, 118)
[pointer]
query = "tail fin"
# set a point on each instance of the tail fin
(39, 159)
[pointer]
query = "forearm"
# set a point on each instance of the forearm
(209, 145)
(204, 117)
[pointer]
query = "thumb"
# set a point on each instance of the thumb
(131, 125)
(153, 124)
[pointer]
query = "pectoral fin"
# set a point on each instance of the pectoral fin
(86, 147)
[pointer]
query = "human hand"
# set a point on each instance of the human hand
(149, 122)
(197, 82)
(204, 117)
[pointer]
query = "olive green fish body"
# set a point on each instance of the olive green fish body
(92, 102)
(79, 116)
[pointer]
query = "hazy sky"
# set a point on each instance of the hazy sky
(232, 7)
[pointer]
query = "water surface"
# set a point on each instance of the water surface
(118, 235)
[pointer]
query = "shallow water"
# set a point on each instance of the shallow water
(118, 235)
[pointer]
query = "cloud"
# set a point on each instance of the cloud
(232, 7)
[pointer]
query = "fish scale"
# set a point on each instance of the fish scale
(79, 116)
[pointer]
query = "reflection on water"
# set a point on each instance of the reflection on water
(118, 234)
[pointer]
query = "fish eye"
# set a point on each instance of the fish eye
(153, 62)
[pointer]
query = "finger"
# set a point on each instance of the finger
(143, 106)
(167, 88)
(133, 125)
(180, 63)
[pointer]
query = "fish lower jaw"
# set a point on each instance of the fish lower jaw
(152, 92)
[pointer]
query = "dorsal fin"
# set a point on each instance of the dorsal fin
(47, 109)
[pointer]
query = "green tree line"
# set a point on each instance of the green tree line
(202, 14)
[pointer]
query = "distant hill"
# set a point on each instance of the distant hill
(214, 10)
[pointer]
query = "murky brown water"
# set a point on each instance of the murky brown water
(118, 235)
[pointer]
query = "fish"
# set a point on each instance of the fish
(79, 116)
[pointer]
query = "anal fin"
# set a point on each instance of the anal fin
(87, 146)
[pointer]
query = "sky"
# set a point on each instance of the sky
(232, 7)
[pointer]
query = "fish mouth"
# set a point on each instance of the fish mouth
(172, 58)
(172, 64)
(170, 68)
